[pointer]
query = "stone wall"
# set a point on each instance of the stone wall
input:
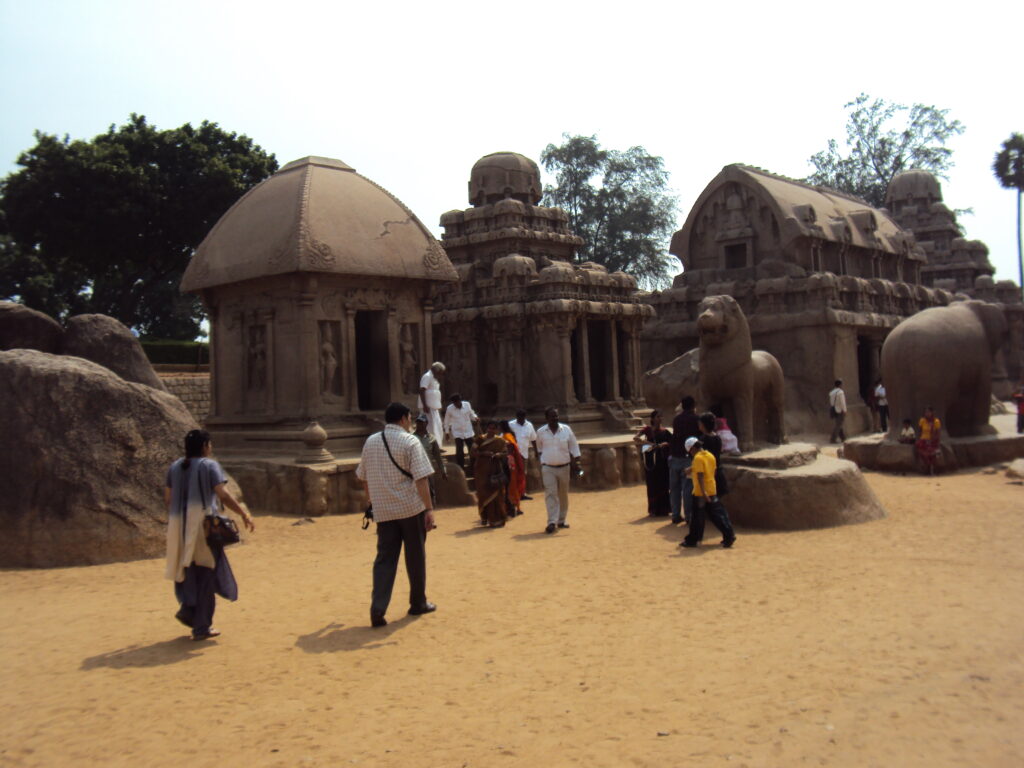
(193, 389)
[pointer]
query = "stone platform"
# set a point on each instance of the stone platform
(875, 452)
(795, 487)
(279, 485)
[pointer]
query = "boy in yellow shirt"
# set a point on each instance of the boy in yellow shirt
(705, 498)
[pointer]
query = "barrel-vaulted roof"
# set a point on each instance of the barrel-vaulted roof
(803, 210)
(317, 215)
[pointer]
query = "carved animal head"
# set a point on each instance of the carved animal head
(720, 320)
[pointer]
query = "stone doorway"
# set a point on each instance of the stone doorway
(866, 367)
(373, 374)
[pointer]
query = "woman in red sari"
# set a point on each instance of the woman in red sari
(516, 469)
(928, 445)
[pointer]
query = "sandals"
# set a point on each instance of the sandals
(206, 635)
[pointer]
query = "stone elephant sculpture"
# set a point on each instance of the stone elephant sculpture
(942, 358)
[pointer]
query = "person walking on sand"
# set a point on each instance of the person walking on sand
(559, 455)
(526, 435)
(837, 410)
(490, 468)
(196, 487)
(394, 467)
(684, 425)
(705, 499)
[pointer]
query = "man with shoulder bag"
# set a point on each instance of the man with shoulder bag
(395, 470)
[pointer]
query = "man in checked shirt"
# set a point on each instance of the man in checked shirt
(398, 489)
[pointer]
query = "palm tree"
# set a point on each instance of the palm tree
(1009, 169)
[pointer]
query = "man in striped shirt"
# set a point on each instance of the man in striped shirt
(396, 469)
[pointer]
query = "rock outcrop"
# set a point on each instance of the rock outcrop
(24, 328)
(84, 462)
(109, 343)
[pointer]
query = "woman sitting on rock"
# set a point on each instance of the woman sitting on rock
(929, 430)
(196, 486)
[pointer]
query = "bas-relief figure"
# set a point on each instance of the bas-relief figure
(257, 362)
(942, 358)
(409, 360)
(328, 358)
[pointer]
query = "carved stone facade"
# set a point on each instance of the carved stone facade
(821, 277)
(524, 326)
(317, 283)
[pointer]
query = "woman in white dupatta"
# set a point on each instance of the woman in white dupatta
(196, 487)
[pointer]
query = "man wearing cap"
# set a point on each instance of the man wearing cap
(705, 498)
(433, 451)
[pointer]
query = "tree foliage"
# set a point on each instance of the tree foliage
(109, 225)
(618, 202)
(883, 139)
(1008, 168)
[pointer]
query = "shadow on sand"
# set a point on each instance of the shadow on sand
(155, 655)
(338, 637)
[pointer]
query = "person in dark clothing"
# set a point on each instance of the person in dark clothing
(684, 426)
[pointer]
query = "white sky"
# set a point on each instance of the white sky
(411, 94)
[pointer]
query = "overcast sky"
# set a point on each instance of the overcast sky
(412, 94)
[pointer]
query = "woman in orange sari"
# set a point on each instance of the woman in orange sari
(490, 469)
(517, 471)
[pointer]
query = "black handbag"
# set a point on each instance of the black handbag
(220, 531)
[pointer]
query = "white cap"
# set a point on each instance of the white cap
(690, 442)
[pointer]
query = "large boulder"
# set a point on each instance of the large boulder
(84, 462)
(665, 385)
(109, 343)
(24, 328)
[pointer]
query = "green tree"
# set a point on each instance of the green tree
(883, 139)
(109, 225)
(618, 202)
(1008, 167)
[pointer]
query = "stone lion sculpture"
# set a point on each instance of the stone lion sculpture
(746, 383)
(942, 358)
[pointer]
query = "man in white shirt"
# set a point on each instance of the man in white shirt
(525, 435)
(882, 404)
(559, 454)
(459, 419)
(430, 400)
(395, 469)
(837, 410)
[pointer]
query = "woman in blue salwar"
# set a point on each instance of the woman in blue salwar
(196, 487)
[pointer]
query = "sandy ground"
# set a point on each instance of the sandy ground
(894, 643)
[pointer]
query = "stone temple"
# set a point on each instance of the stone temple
(821, 276)
(524, 326)
(318, 287)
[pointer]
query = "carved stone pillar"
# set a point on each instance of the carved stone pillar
(266, 317)
(428, 335)
(613, 333)
(584, 347)
(309, 353)
(568, 393)
(349, 356)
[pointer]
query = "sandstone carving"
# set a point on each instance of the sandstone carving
(942, 358)
(795, 487)
(109, 343)
(664, 386)
(747, 384)
(85, 461)
(24, 328)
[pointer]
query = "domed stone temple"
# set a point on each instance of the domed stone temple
(317, 283)
(524, 326)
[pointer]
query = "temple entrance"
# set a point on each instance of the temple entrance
(866, 367)
(578, 374)
(625, 364)
(373, 375)
(599, 350)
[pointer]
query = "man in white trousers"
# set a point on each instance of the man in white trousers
(559, 454)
